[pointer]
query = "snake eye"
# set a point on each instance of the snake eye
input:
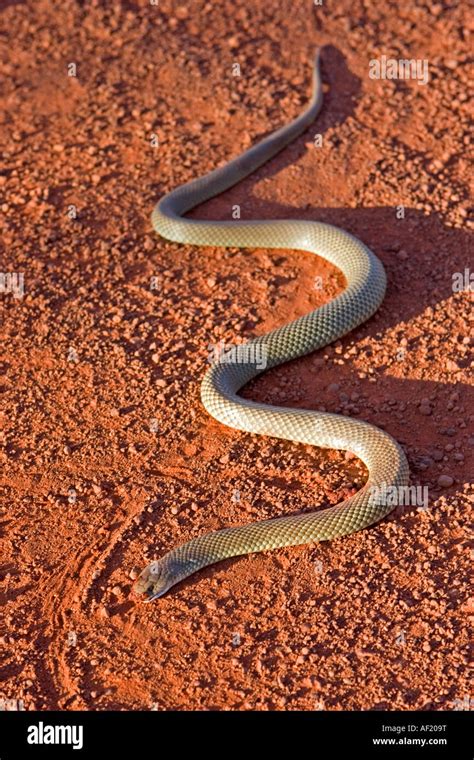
(152, 595)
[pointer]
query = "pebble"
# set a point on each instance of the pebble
(445, 481)
(182, 12)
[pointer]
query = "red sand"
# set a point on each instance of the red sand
(108, 458)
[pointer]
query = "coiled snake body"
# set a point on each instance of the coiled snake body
(366, 282)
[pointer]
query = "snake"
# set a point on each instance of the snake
(365, 288)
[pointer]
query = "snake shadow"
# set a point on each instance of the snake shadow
(420, 252)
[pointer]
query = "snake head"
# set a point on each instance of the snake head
(158, 577)
(153, 581)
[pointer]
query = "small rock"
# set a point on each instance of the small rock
(445, 481)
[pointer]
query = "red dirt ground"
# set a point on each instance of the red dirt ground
(108, 458)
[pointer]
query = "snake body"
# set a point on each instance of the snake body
(366, 283)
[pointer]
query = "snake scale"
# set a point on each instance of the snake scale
(366, 283)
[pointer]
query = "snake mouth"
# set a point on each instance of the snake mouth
(151, 595)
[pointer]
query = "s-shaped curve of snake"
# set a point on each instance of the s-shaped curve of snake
(366, 283)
